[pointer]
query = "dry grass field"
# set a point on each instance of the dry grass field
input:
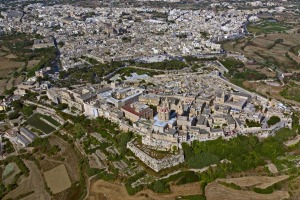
(7, 66)
(58, 179)
(34, 182)
(2, 85)
(294, 189)
(13, 82)
(216, 191)
(102, 190)
(32, 63)
(71, 158)
(10, 56)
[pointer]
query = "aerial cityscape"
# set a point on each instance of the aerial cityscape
(150, 99)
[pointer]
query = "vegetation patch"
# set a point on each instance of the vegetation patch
(133, 190)
(165, 65)
(238, 73)
(36, 122)
(42, 146)
(291, 91)
(183, 177)
(12, 185)
(90, 74)
(129, 70)
(160, 186)
(252, 123)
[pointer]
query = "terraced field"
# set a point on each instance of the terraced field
(38, 121)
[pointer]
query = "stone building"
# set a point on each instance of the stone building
(137, 110)
(153, 163)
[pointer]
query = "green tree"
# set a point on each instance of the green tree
(17, 104)
(2, 116)
(79, 130)
(123, 139)
(13, 115)
(62, 106)
(273, 120)
(27, 110)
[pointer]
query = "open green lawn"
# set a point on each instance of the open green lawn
(267, 27)
(36, 122)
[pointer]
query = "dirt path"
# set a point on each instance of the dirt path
(101, 190)
(88, 186)
(34, 182)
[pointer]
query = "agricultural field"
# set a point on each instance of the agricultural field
(276, 92)
(49, 119)
(70, 158)
(8, 66)
(296, 50)
(13, 82)
(268, 26)
(32, 63)
(58, 173)
(266, 52)
(291, 91)
(44, 123)
(9, 173)
(53, 172)
(216, 191)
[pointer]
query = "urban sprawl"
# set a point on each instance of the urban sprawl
(169, 108)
